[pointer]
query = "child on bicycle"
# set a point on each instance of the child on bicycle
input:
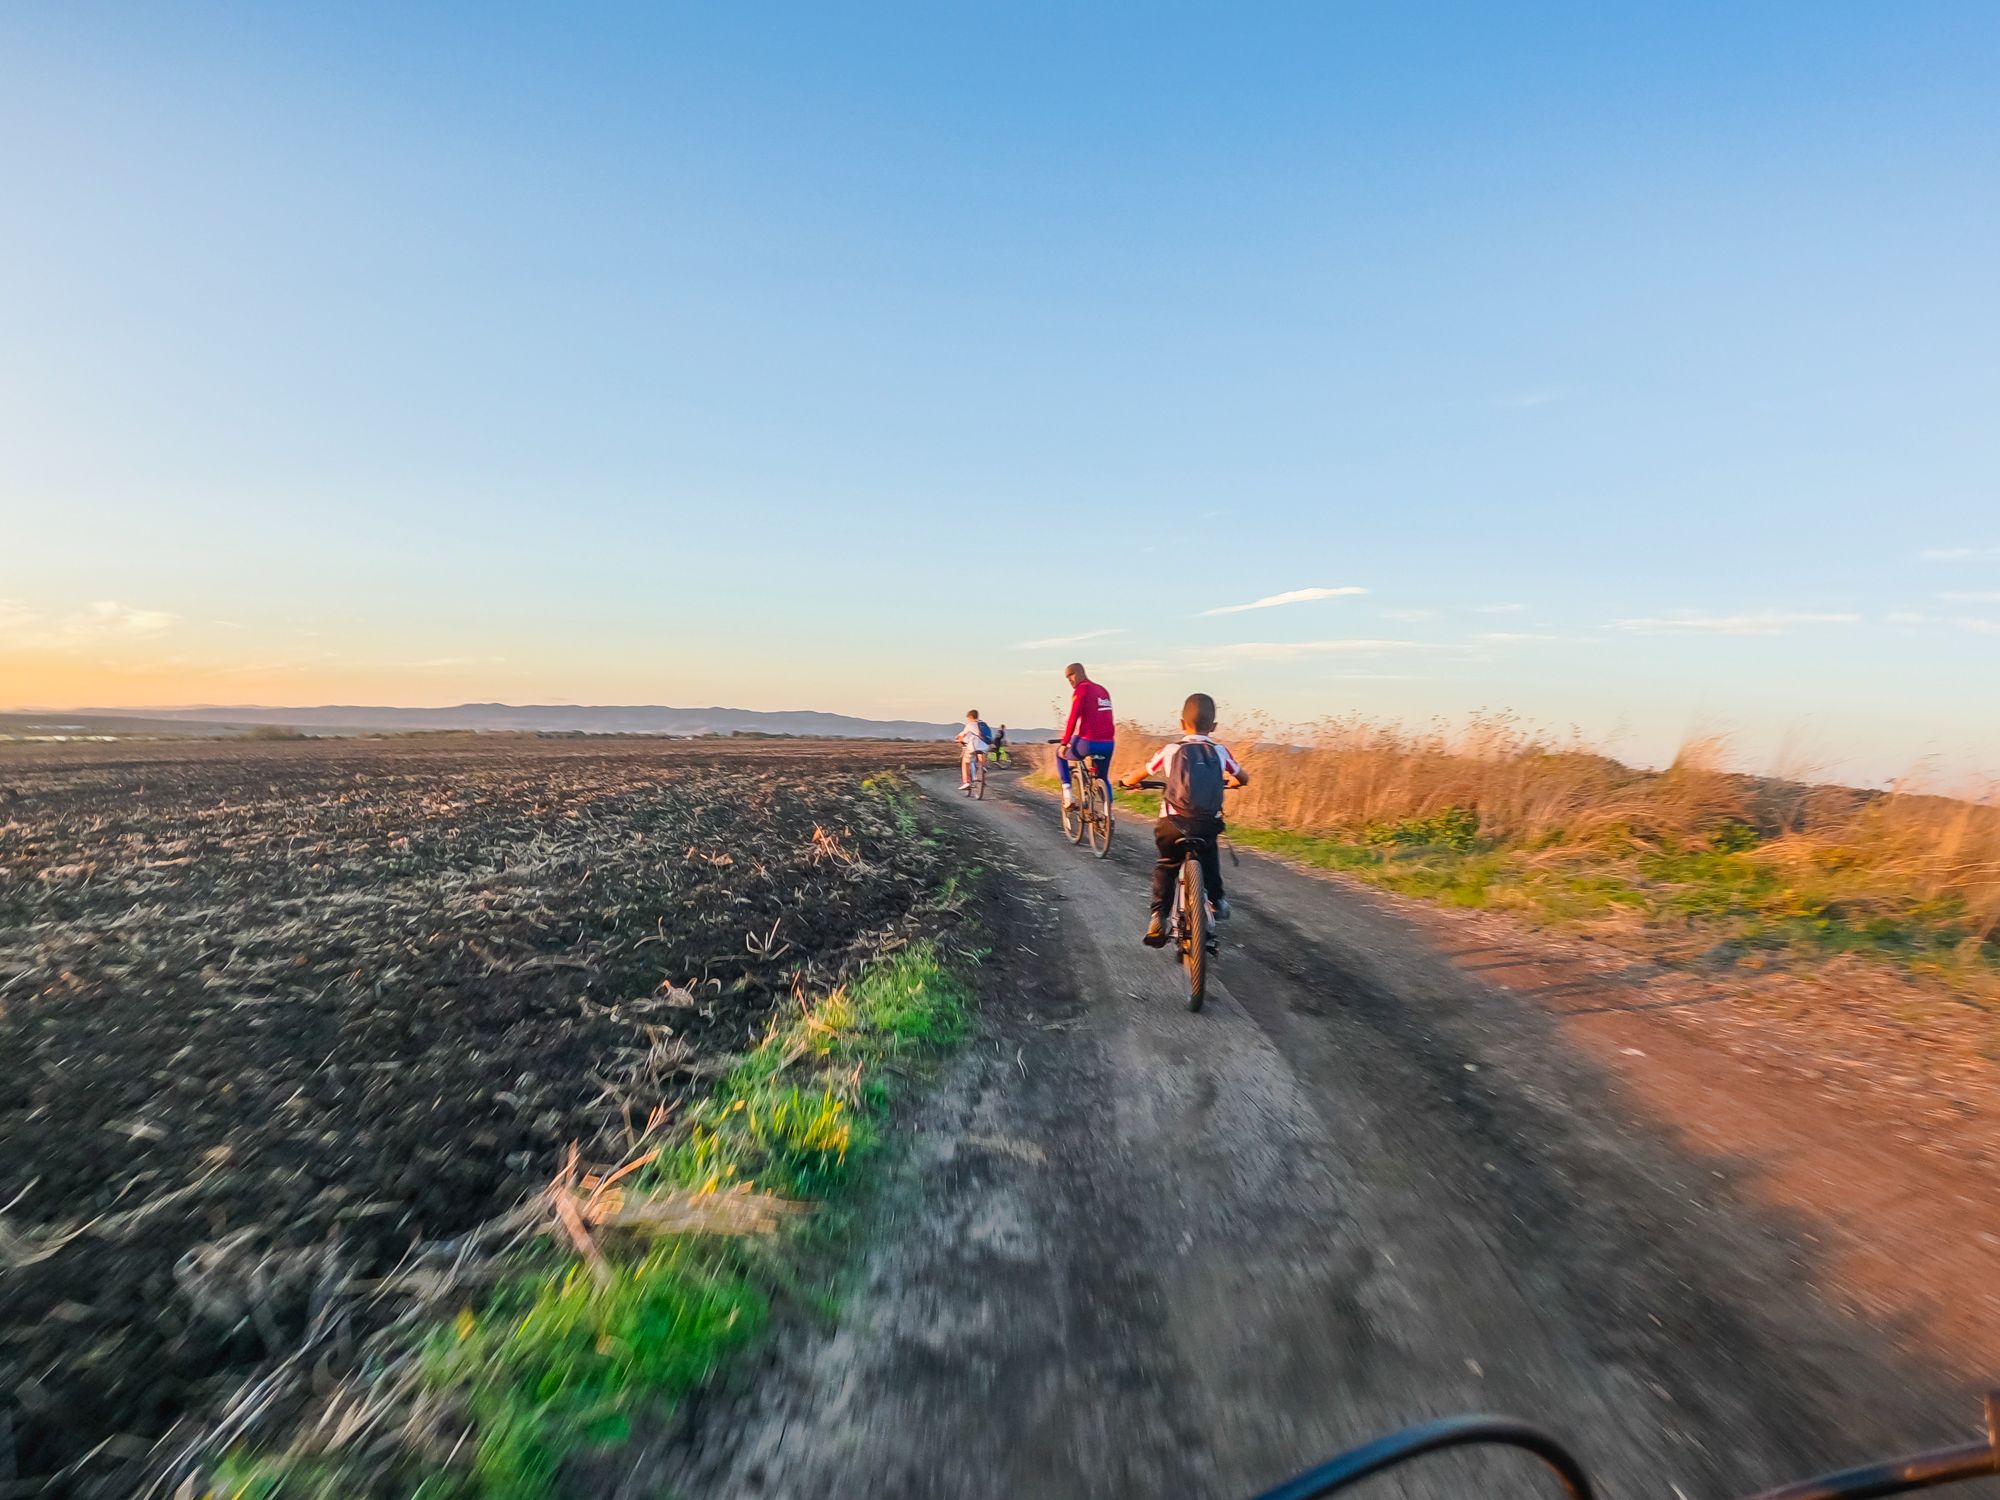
(1195, 769)
(973, 740)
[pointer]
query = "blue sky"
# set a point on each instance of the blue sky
(1640, 364)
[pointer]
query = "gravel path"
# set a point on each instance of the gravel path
(1138, 1252)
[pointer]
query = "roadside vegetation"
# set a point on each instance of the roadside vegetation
(1693, 862)
(650, 1275)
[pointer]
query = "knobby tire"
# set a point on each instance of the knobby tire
(1100, 824)
(1194, 929)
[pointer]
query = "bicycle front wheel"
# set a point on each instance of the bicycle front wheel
(1074, 815)
(979, 783)
(1194, 930)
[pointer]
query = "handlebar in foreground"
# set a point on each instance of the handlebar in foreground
(1432, 1437)
(1898, 1476)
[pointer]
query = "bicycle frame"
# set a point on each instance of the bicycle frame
(1902, 1476)
(1898, 1476)
(1086, 784)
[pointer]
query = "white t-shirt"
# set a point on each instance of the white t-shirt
(1160, 767)
(970, 737)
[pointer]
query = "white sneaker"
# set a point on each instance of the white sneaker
(965, 786)
(1068, 800)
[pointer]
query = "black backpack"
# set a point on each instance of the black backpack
(1194, 783)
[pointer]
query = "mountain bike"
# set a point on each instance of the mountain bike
(1090, 813)
(1193, 930)
(1898, 1476)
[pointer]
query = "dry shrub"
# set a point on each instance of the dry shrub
(1941, 847)
(1344, 776)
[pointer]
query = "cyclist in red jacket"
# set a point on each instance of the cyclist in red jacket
(1088, 732)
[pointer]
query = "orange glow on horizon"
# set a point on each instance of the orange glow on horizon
(47, 680)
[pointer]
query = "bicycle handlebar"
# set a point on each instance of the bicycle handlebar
(1360, 1463)
(1898, 1476)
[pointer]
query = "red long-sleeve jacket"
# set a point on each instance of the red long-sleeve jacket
(1089, 714)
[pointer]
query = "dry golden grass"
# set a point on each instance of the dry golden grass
(1903, 855)
(1944, 847)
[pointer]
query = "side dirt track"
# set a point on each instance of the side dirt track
(1139, 1252)
(273, 1015)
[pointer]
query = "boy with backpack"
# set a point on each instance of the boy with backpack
(1195, 769)
(973, 741)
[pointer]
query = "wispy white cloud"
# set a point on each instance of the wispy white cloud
(1429, 612)
(1534, 638)
(1290, 596)
(1978, 626)
(109, 617)
(456, 661)
(295, 664)
(1972, 596)
(1911, 617)
(1529, 400)
(1279, 650)
(1067, 640)
(1763, 622)
(1958, 554)
(1128, 668)
(94, 623)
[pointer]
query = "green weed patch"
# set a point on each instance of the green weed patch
(563, 1357)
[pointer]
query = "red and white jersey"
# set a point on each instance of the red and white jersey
(1160, 767)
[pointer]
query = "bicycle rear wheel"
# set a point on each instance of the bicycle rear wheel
(1194, 930)
(979, 782)
(1075, 813)
(1100, 817)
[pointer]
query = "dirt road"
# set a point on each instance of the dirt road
(1138, 1252)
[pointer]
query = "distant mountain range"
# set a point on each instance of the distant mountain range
(544, 718)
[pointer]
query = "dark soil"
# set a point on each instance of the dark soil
(271, 1016)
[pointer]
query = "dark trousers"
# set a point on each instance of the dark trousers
(1175, 837)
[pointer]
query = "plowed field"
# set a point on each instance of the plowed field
(271, 1016)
